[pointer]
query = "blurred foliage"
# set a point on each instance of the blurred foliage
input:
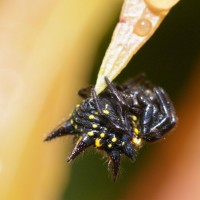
(167, 59)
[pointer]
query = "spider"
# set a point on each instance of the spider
(119, 120)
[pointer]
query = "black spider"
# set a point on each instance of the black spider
(119, 119)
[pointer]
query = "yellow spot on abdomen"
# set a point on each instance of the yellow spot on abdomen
(71, 121)
(106, 112)
(109, 145)
(136, 131)
(91, 117)
(94, 126)
(90, 133)
(98, 142)
(102, 135)
(114, 139)
(134, 118)
(78, 105)
(136, 141)
(123, 143)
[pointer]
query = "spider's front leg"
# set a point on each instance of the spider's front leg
(158, 118)
(115, 93)
(168, 121)
(113, 124)
(146, 117)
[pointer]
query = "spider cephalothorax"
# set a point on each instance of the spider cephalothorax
(119, 119)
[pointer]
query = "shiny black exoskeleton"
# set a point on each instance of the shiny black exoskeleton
(119, 119)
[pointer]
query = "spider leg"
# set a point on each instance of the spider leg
(116, 94)
(147, 115)
(166, 120)
(112, 123)
(96, 100)
(169, 119)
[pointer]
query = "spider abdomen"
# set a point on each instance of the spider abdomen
(90, 122)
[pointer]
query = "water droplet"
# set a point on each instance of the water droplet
(143, 27)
